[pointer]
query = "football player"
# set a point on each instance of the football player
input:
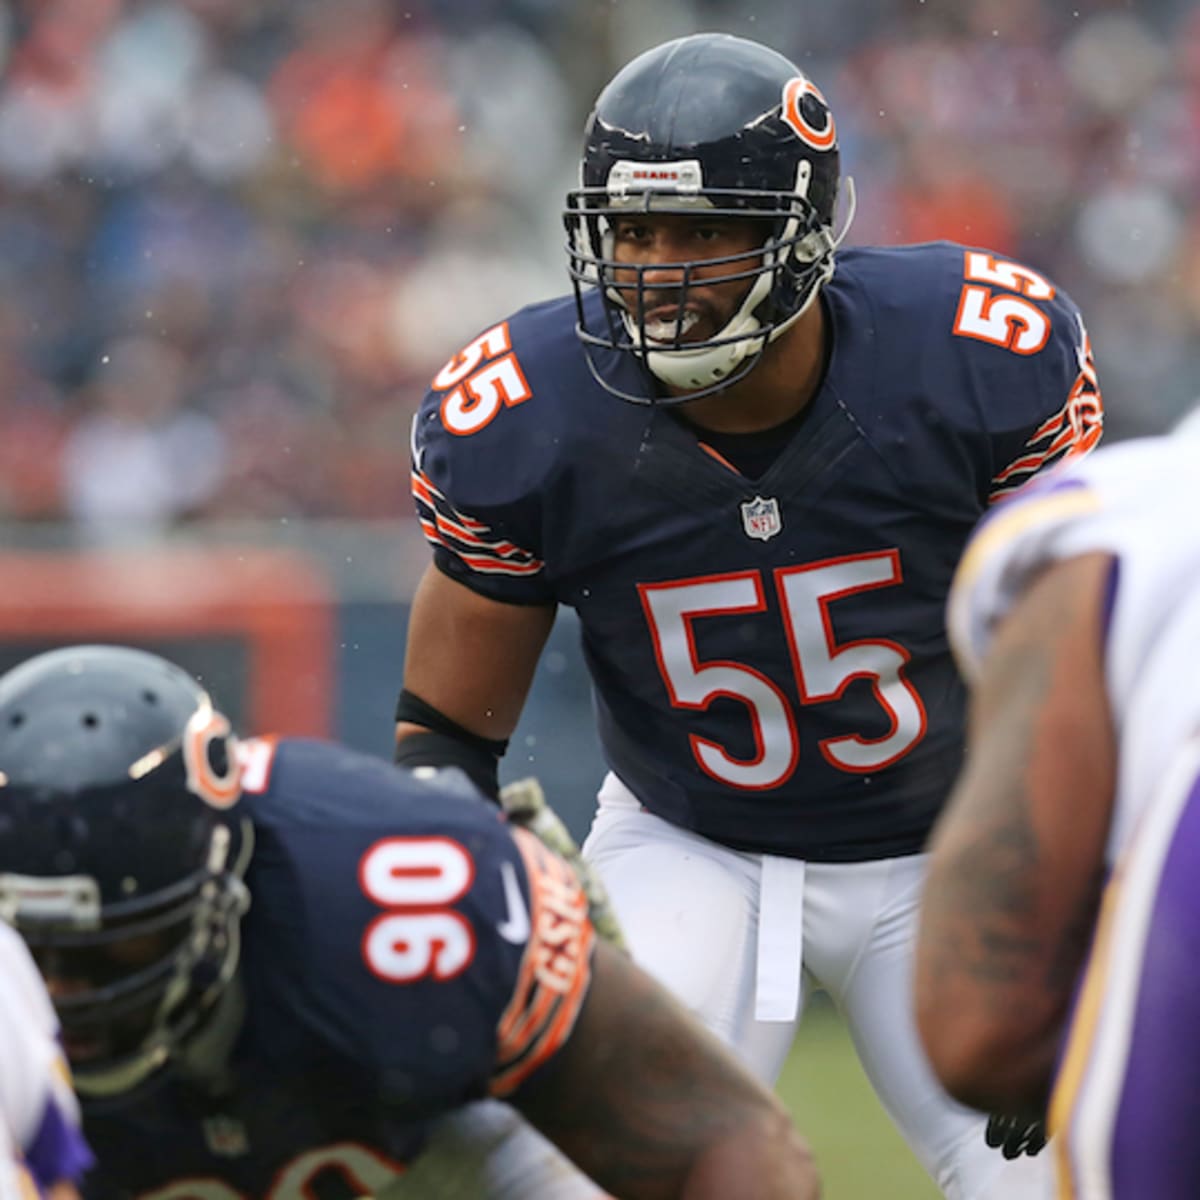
(749, 460)
(42, 1150)
(275, 963)
(1076, 614)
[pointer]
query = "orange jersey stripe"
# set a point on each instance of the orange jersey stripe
(555, 971)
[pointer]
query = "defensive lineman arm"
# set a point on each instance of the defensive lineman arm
(642, 1097)
(1017, 857)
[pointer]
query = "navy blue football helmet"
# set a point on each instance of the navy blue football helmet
(121, 851)
(717, 126)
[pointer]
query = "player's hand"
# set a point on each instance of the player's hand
(525, 803)
(1014, 1136)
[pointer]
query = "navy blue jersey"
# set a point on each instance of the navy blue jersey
(769, 655)
(406, 951)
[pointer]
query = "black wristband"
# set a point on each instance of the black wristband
(430, 749)
(447, 744)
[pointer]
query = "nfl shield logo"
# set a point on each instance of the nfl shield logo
(761, 519)
(226, 1136)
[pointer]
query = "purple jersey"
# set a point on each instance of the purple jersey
(406, 951)
(1126, 1093)
(40, 1139)
(768, 655)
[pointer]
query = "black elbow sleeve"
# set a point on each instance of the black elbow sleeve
(445, 743)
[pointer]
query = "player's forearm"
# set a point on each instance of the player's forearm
(685, 1150)
(767, 1159)
(998, 950)
(994, 1067)
(653, 1107)
(986, 1011)
(470, 658)
(1017, 858)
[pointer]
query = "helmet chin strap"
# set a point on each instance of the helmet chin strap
(202, 1058)
(126, 1073)
(700, 368)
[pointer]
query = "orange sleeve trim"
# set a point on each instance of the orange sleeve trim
(555, 971)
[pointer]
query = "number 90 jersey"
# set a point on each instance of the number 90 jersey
(768, 655)
(406, 951)
(1136, 502)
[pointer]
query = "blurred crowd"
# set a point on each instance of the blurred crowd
(237, 237)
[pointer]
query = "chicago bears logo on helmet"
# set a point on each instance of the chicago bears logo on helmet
(210, 758)
(802, 100)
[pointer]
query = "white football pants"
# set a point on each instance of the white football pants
(742, 938)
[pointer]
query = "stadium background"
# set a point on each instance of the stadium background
(237, 237)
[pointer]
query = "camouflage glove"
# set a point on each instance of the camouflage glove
(525, 803)
(1014, 1136)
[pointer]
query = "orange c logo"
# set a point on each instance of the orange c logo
(794, 91)
(221, 791)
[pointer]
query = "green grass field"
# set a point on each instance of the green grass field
(859, 1152)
